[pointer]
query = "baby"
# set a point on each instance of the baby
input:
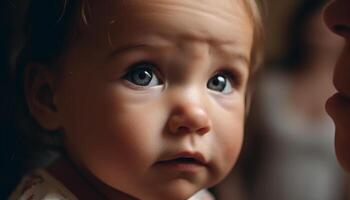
(145, 99)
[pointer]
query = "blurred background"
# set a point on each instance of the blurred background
(288, 152)
(11, 15)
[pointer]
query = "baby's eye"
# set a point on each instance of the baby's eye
(142, 74)
(221, 83)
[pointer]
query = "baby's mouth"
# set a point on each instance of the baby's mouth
(182, 160)
(185, 158)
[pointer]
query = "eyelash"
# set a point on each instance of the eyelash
(234, 77)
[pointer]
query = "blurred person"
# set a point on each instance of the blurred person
(337, 17)
(297, 159)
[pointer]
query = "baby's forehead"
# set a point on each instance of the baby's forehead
(122, 9)
(204, 20)
(224, 27)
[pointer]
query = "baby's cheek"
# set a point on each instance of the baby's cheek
(232, 143)
(228, 142)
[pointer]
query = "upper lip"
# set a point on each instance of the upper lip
(196, 156)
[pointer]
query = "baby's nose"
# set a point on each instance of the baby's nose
(189, 118)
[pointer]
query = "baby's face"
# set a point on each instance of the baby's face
(152, 95)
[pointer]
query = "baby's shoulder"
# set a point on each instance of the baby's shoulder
(40, 185)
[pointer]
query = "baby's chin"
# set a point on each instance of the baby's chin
(179, 189)
(181, 186)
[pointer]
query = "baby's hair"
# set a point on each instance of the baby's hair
(254, 10)
(50, 27)
(47, 31)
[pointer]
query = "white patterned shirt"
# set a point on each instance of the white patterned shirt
(40, 185)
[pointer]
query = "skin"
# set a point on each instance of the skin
(115, 131)
(337, 19)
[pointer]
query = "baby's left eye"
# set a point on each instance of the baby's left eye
(221, 83)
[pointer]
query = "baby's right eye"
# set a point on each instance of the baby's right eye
(142, 74)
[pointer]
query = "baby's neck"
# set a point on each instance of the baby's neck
(82, 184)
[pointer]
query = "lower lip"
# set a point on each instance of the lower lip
(180, 166)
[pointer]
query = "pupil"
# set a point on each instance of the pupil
(216, 81)
(142, 75)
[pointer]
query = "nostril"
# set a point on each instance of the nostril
(203, 130)
(183, 129)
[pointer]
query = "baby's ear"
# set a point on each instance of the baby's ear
(39, 92)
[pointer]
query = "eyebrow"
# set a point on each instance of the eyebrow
(128, 47)
(239, 57)
(132, 45)
(236, 55)
(232, 53)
